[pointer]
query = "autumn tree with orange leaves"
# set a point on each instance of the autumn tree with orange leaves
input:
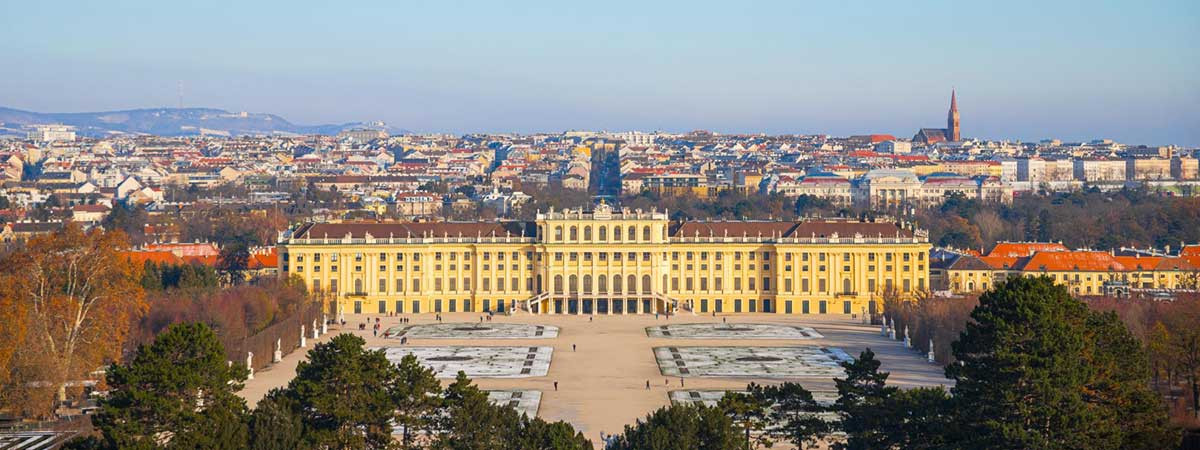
(76, 296)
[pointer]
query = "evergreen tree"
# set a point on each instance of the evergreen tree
(470, 421)
(1037, 369)
(796, 414)
(541, 435)
(178, 392)
(681, 427)
(1119, 389)
(344, 394)
(416, 396)
(1045, 226)
(276, 423)
(152, 276)
(862, 404)
(750, 411)
(921, 419)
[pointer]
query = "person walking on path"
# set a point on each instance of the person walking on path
(647, 385)
(680, 381)
(556, 385)
(572, 347)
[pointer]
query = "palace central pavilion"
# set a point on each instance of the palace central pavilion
(607, 261)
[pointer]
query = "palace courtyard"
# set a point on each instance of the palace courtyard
(602, 364)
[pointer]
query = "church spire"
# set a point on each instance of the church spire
(952, 125)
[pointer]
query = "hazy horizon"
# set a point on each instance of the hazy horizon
(1024, 71)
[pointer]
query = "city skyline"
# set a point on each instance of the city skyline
(1066, 72)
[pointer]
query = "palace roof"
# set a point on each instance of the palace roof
(359, 230)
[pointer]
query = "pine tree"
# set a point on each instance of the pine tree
(862, 404)
(681, 427)
(275, 423)
(796, 414)
(1037, 369)
(1119, 389)
(178, 392)
(749, 411)
(921, 419)
(471, 422)
(345, 395)
(416, 396)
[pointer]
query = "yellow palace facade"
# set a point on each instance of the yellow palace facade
(607, 261)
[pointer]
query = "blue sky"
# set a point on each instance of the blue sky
(1023, 70)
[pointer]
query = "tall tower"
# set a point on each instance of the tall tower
(952, 131)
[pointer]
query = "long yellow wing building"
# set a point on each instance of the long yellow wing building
(607, 261)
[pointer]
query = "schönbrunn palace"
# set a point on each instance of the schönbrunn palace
(608, 261)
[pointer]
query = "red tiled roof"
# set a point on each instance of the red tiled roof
(210, 261)
(264, 259)
(1000, 262)
(1086, 261)
(1014, 249)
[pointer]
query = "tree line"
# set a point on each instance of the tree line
(1035, 368)
(179, 392)
(74, 301)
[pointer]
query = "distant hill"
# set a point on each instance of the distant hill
(174, 122)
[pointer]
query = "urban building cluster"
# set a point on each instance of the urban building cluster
(1115, 272)
(409, 186)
